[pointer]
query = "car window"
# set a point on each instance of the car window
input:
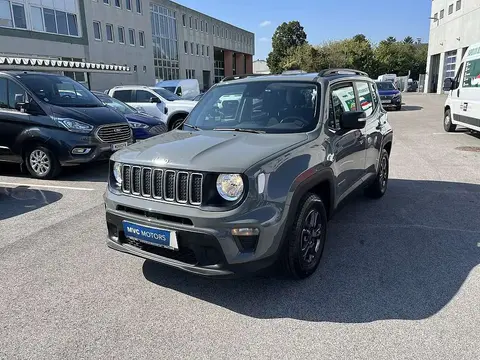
(342, 99)
(3, 94)
(268, 106)
(144, 96)
(123, 95)
(117, 104)
(385, 85)
(459, 73)
(364, 97)
(15, 94)
(471, 77)
(167, 95)
(375, 99)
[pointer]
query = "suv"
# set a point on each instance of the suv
(48, 121)
(240, 190)
(156, 101)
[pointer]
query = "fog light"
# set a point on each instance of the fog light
(81, 151)
(245, 232)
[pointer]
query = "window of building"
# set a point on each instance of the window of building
(435, 16)
(198, 49)
(213, 29)
(196, 24)
(37, 18)
(131, 36)
(218, 65)
(138, 4)
(50, 22)
(190, 22)
(134, 68)
(5, 15)
(19, 19)
(450, 63)
(61, 18)
(450, 9)
(208, 50)
(128, 4)
(109, 32)
(185, 47)
(192, 45)
(97, 30)
(184, 20)
(118, 4)
(190, 73)
(121, 35)
(141, 38)
(459, 5)
(206, 27)
(442, 13)
(203, 50)
(144, 68)
(201, 26)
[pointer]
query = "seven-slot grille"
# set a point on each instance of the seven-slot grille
(163, 184)
(114, 133)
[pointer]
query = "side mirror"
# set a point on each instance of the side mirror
(353, 120)
(154, 99)
(448, 84)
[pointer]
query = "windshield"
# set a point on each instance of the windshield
(59, 90)
(271, 107)
(385, 85)
(167, 95)
(169, 88)
(117, 105)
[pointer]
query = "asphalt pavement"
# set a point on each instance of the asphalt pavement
(400, 276)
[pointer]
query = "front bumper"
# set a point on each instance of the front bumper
(206, 245)
(392, 102)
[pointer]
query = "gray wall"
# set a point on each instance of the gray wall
(116, 53)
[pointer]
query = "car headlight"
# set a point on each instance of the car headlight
(73, 125)
(230, 186)
(137, 125)
(117, 173)
(396, 95)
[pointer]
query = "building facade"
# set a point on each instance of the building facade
(148, 41)
(260, 67)
(455, 25)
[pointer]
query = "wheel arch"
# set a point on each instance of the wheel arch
(175, 116)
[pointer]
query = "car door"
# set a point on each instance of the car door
(12, 121)
(374, 123)
(456, 95)
(143, 103)
(348, 145)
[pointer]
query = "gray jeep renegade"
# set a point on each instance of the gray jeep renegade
(252, 176)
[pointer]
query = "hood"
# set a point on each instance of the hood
(207, 150)
(143, 118)
(388, 92)
(91, 115)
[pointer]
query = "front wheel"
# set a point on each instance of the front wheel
(447, 122)
(378, 188)
(176, 123)
(42, 163)
(306, 238)
(398, 108)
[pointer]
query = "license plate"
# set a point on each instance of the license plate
(386, 101)
(119, 146)
(150, 235)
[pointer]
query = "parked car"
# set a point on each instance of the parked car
(229, 194)
(412, 86)
(186, 88)
(462, 106)
(390, 96)
(48, 121)
(142, 124)
(155, 101)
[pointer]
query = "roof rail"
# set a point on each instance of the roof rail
(328, 72)
(238, 77)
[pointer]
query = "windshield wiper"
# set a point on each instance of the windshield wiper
(192, 127)
(240, 130)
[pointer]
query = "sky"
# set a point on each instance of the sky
(323, 20)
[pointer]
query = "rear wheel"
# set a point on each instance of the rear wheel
(306, 239)
(398, 108)
(447, 122)
(378, 188)
(41, 162)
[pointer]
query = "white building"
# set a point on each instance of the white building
(455, 25)
(260, 67)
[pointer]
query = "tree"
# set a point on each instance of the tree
(287, 35)
(408, 40)
(304, 57)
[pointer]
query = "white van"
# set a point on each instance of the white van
(188, 89)
(462, 106)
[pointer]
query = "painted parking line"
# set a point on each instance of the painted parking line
(47, 186)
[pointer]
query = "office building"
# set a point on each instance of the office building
(103, 43)
(455, 25)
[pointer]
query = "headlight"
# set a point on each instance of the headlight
(117, 173)
(396, 95)
(73, 125)
(230, 186)
(137, 125)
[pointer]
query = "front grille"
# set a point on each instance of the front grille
(114, 133)
(386, 97)
(163, 184)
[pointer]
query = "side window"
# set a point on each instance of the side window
(179, 91)
(342, 99)
(3, 94)
(123, 95)
(144, 96)
(16, 94)
(364, 97)
(457, 78)
(471, 77)
(375, 99)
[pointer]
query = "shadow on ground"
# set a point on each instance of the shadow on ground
(402, 257)
(97, 172)
(411, 108)
(22, 199)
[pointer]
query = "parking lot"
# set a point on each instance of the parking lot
(400, 276)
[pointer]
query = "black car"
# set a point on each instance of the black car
(48, 121)
(143, 124)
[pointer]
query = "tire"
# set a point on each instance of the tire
(447, 122)
(379, 186)
(295, 265)
(176, 122)
(41, 163)
(398, 108)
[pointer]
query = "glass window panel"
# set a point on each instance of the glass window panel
(61, 22)
(72, 24)
(19, 16)
(50, 22)
(37, 19)
(5, 14)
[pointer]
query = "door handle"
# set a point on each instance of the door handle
(458, 92)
